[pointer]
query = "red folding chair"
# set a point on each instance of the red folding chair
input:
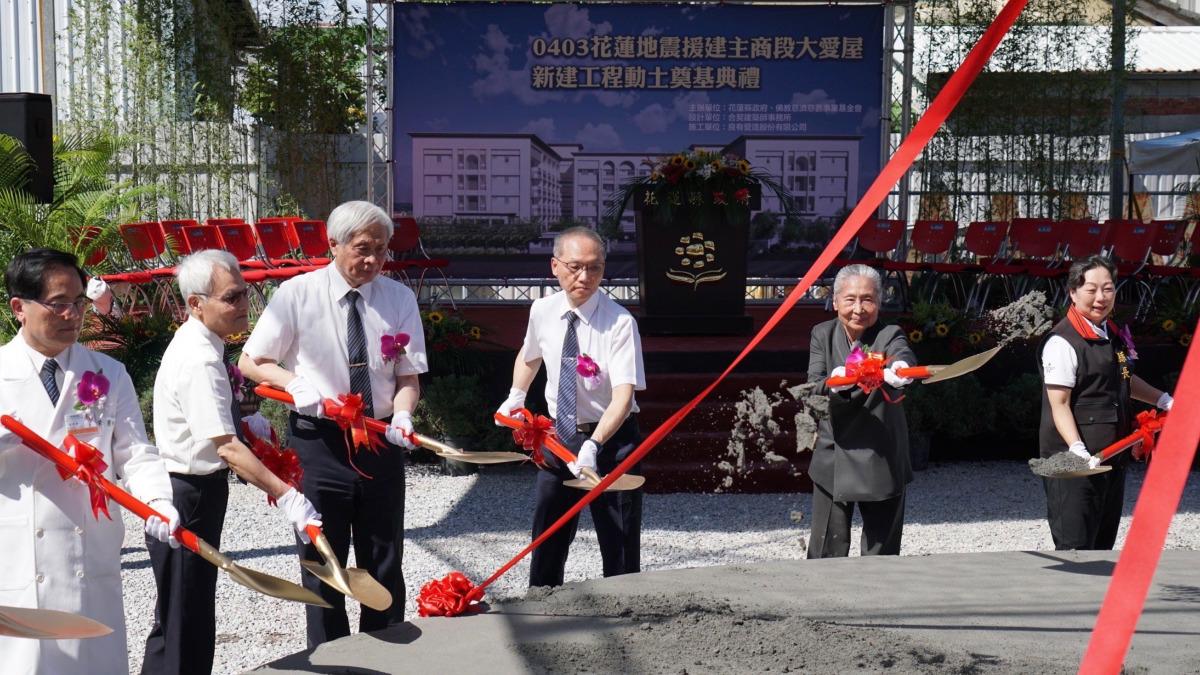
(201, 237)
(312, 241)
(88, 235)
(147, 252)
(1039, 243)
(984, 241)
(1132, 242)
(929, 240)
(278, 241)
(405, 245)
(217, 222)
(1083, 238)
(173, 232)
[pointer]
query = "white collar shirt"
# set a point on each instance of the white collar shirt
(39, 360)
(304, 328)
(193, 401)
(606, 332)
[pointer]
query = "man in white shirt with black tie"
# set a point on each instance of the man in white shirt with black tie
(320, 337)
(197, 438)
(575, 331)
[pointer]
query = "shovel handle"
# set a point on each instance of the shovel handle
(117, 493)
(914, 372)
(313, 532)
(332, 408)
(841, 381)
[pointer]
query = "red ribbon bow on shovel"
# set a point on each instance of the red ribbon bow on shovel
(283, 462)
(351, 417)
(1150, 423)
(533, 433)
(90, 472)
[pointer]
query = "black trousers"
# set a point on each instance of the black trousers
(1085, 512)
(183, 637)
(883, 526)
(616, 515)
(367, 511)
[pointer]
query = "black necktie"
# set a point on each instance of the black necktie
(49, 369)
(356, 349)
(564, 421)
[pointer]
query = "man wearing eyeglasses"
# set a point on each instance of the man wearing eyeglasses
(194, 428)
(593, 357)
(58, 554)
(321, 336)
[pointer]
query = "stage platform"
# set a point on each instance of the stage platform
(1016, 612)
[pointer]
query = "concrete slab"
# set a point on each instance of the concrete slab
(977, 612)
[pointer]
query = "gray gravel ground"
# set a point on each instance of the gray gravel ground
(476, 523)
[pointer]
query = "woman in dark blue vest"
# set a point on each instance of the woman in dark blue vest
(1087, 371)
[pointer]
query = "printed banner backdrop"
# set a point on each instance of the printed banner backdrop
(515, 120)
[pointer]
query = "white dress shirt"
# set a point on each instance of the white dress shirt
(193, 401)
(304, 328)
(606, 332)
(1059, 360)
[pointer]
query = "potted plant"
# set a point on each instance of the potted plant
(693, 227)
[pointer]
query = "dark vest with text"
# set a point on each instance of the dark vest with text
(1100, 398)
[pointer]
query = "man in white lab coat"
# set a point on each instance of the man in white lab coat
(57, 553)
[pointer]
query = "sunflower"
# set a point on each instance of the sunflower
(1185, 339)
(436, 317)
(475, 332)
(716, 166)
(1168, 325)
(677, 160)
(655, 177)
(915, 336)
(743, 166)
(942, 330)
(689, 165)
(974, 338)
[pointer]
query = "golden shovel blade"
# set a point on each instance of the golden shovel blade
(48, 624)
(962, 367)
(259, 581)
(352, 582)
(449, 452)
(1082, 472)
(591, 479)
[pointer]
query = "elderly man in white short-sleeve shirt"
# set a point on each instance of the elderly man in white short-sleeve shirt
(593, 356)
(195, 432)
(321, 337)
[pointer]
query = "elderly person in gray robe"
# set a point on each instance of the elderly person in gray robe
(861, 453)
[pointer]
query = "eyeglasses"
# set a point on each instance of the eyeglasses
(576, 268)
(61, 308)
(230, 298)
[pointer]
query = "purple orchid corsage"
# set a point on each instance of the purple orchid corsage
(588, 370)
(1127, 338)
(237, 382)
(91, 391)
(392, 346)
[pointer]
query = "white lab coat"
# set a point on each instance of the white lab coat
(55, 554)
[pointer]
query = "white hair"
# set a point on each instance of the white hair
(578, 231)
(195, 272)
(350, 218)
(865, 271)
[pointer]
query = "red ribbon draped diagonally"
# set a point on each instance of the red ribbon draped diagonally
(283, 462)
(91, 470)
(939, 109)
(1156, 504)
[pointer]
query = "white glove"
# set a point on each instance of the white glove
(894, 380)
(1080, 450)
(1164, 402)
(300, 511)
(306, 399)
(516, 399)
(259, 426)
(840, 371)
(155, 527)
(100, 294)
(400, 430)
(586, 458)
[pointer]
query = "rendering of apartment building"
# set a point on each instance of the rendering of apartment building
(501, 177)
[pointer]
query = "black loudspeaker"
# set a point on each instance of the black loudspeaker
(30, 119)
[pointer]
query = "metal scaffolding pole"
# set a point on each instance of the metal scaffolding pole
(380, 184)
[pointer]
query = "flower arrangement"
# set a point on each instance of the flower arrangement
(392, 346)
(449, 341)
(939, 329)
(589, 371)
(710, 184)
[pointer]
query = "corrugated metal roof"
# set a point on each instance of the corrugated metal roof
(1166, 49)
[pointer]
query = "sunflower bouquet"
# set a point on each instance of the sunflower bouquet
(707, 184)
(449, 338)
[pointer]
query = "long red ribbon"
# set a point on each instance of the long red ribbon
(90, 470)
(912, 146)
(1159, 498)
